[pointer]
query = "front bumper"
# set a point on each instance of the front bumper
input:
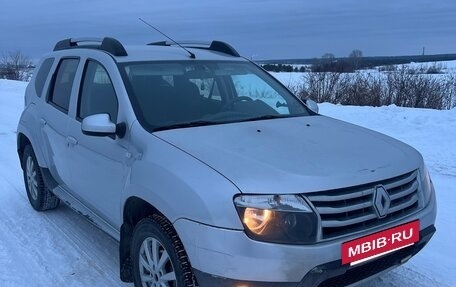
(335, 274)
(222, 257)
(331, 274)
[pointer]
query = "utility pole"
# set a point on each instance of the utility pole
(424, 49)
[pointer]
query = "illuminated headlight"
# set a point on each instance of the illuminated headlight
(426, 184)
(277, 218)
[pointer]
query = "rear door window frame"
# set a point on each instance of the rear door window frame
(50, 91)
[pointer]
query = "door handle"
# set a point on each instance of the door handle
(42, 122)
(71, 141)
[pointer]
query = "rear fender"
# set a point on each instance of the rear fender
(29, 129)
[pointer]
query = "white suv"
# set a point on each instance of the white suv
(209, 172)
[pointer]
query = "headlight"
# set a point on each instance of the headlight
(426, 184)
(277, 218)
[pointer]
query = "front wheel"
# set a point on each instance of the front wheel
(159, 258)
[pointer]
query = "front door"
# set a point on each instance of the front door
(96, 163)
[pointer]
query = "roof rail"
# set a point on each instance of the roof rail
(107, 44)
(217, 46)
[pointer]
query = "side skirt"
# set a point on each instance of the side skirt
(80, 208)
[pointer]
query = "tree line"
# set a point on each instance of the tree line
(327, 63)
(283, 68)
(355, 60)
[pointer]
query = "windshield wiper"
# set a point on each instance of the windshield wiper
(185, 125)
(264, 117)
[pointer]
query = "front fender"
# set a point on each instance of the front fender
(180, 186)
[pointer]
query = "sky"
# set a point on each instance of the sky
(258, 29)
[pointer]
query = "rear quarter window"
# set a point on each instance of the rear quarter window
(42, 75)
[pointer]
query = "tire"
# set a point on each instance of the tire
(156, 233)
(40, 197)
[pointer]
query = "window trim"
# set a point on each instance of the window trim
(51, 87)
(81, 86)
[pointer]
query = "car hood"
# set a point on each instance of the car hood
(295, 155)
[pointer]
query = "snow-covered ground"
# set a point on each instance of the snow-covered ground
(61, 248)
(447, 66)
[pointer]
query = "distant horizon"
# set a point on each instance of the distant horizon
(453, 55)
(364, 56)
(35, 59)
(271, 60)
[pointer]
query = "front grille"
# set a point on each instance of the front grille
(349, 210)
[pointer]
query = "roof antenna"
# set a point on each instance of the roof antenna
(191, 54)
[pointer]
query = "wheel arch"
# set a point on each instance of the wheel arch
(22, 142)
(135, 209)
(29, 136)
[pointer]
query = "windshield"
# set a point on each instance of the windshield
(167, 95)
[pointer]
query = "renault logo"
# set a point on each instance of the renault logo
(382, 201)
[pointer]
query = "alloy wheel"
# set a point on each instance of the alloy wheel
(31, 178)
(156, 268)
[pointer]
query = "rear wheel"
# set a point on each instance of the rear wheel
(38, 194)
(159, 258)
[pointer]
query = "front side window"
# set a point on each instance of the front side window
(179, 94)
(97, 95)
(63, 83)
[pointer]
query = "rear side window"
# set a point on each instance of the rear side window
(97, 95)
(42, 75)
(63, 83)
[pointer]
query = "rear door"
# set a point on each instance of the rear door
(54, 118)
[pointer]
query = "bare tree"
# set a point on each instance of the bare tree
(14, 64)
(355, 57)
(322, 86)
(327, 59)
(356, 54)
(451, 85)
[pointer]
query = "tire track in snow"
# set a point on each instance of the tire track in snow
(100, 250)
(25, 246)
(53, 248)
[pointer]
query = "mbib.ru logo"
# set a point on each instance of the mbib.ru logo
(380, 243)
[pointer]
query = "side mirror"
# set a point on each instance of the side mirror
(312, 105)
(99, 125)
